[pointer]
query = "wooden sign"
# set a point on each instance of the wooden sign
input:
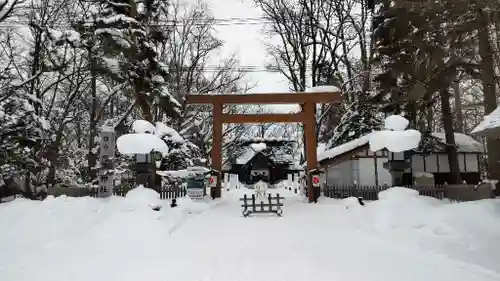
(107, 153)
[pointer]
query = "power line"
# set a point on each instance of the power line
(169, 23)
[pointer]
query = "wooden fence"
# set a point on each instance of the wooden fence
(457, 193)
(166, 192)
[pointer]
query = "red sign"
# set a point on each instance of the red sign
(315, 180)
(213, 181)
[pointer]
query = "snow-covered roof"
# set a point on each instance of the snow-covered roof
(247, 155)
(275, 148)
(321, 89)
(464, 143)
(490, 123)
(343, 148)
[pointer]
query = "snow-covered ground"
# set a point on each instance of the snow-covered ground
(403, 236)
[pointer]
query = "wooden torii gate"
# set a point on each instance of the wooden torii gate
(307, 116)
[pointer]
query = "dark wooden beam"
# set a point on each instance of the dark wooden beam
(263, 118)
(311, 146)
(217, 148)
(264, 98)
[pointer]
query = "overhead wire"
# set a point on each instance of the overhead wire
(169, 23)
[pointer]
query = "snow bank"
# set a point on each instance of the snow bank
(140, 197)
(462, 230)
(351, 203)
(397, 193)
(140, 143)
(400, 207)
(60, 237)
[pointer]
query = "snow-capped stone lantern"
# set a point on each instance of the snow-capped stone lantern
(144, 169)
(396, 139)
(143, 143)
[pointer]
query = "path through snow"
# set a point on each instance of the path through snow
(316, 242)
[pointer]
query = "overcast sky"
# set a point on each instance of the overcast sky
(248, 43)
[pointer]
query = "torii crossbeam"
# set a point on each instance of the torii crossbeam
(307, 116)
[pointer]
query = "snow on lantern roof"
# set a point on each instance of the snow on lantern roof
(490, 124)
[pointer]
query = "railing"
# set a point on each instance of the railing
(166, 192)
(457, 193)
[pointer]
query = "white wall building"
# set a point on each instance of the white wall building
(354, 163)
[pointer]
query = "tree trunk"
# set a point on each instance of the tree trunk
(430, 118)
(91, 155)
(451, 148)
(489, 92)
(458, 107)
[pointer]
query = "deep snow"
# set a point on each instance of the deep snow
(403, 236)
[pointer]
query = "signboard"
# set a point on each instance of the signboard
(107, 144)
(315, 180)
(195, 187)
(213, 181)
(107, 153)
(195, 193)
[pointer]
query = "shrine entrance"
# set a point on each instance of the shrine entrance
(307, 116)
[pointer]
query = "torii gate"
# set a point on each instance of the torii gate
(307, 116)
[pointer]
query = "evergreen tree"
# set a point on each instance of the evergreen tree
(22, 132)
(126, 33)
(420, 47)
(361, 118)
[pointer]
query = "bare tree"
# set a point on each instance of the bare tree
(7, 8)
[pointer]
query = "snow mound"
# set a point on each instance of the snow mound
(140, 143)
(395, 141)
(397, 193)
(396, 123)
(142, 126)
(351, 203)
(140, 197)
(400, 207)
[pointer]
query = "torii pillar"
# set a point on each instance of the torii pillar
(307, 116)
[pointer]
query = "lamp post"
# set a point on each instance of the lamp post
(144, 169)
(396, 165)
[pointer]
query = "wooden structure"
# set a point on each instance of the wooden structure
(307, 116)
(268, 207)
(453, 192)
(353, 162)
(166, 192)
(271, 164)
